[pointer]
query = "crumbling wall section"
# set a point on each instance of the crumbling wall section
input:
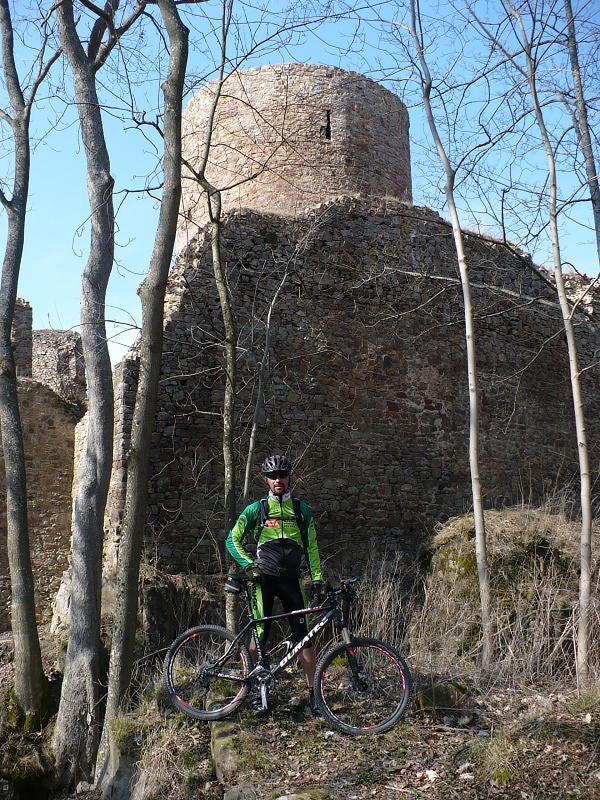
(48, 430)
(366, 385)
(58, 363)
(21, 336)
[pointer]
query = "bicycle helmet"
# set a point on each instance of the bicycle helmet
(276, 464)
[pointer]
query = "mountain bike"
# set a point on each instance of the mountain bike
(362, 685)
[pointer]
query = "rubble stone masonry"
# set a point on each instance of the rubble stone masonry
(303, 133)
(21, 336)
(48, 424)
(52, 391)
(58, 363)
(366, 385)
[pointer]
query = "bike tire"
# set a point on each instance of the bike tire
(193, 683)
(376, 701)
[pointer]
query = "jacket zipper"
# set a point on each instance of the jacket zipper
(281, 536)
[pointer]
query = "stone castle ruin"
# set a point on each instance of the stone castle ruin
(358, 292)
(52, 392)
(286, 138)
(366, 384)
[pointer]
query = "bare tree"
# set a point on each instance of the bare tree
(76, 731)
(29, 675)
(585, 141)
(529, 48)
(152, 293)
(532, 29)
(213, 201)
(426, 85)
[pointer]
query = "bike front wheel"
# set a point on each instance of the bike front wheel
(362, 687)
(205, 672)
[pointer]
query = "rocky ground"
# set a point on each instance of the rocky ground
(510, 744)
(513, 744)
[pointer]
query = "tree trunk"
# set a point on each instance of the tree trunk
(29, 676)
(230, 369)
(77, 725)
(152, 293)
(585, 141)
(28, 659)
(582, 446)
(480, 534)
(229, 487)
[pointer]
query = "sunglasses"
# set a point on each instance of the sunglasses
(281, 473)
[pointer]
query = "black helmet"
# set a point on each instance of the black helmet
(276, 464)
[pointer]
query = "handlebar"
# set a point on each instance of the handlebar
(346, 587)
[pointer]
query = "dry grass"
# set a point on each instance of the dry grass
(171, 751)
(386, 602)
(533, 562)
(431, 612)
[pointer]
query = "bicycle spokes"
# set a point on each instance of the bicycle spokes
(363, 687)
(206, 672)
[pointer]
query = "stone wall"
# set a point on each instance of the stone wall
(58, 363)
(303, 133)
(48, 430)
(366, 388)
(52, 392)
(21, 336)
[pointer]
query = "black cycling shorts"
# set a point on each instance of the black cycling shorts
(291, 594)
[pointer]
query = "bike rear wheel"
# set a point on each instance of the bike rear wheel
(205, 672)
(362, 687)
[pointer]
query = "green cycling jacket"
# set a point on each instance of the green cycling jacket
(281, 523)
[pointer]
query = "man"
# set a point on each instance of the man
(284, 530)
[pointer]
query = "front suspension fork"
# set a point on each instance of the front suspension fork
(352, 660)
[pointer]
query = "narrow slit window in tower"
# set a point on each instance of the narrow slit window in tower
(325, 131)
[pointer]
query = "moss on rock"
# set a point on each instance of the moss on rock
(533, 566)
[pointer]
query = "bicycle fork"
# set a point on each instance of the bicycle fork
(357, 676)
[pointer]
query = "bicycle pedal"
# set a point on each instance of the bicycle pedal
(258, 708)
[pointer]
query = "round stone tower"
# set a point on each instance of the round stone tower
(288, 137)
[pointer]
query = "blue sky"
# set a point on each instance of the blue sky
(57, 235)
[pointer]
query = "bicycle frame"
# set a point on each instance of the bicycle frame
(330, 611)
